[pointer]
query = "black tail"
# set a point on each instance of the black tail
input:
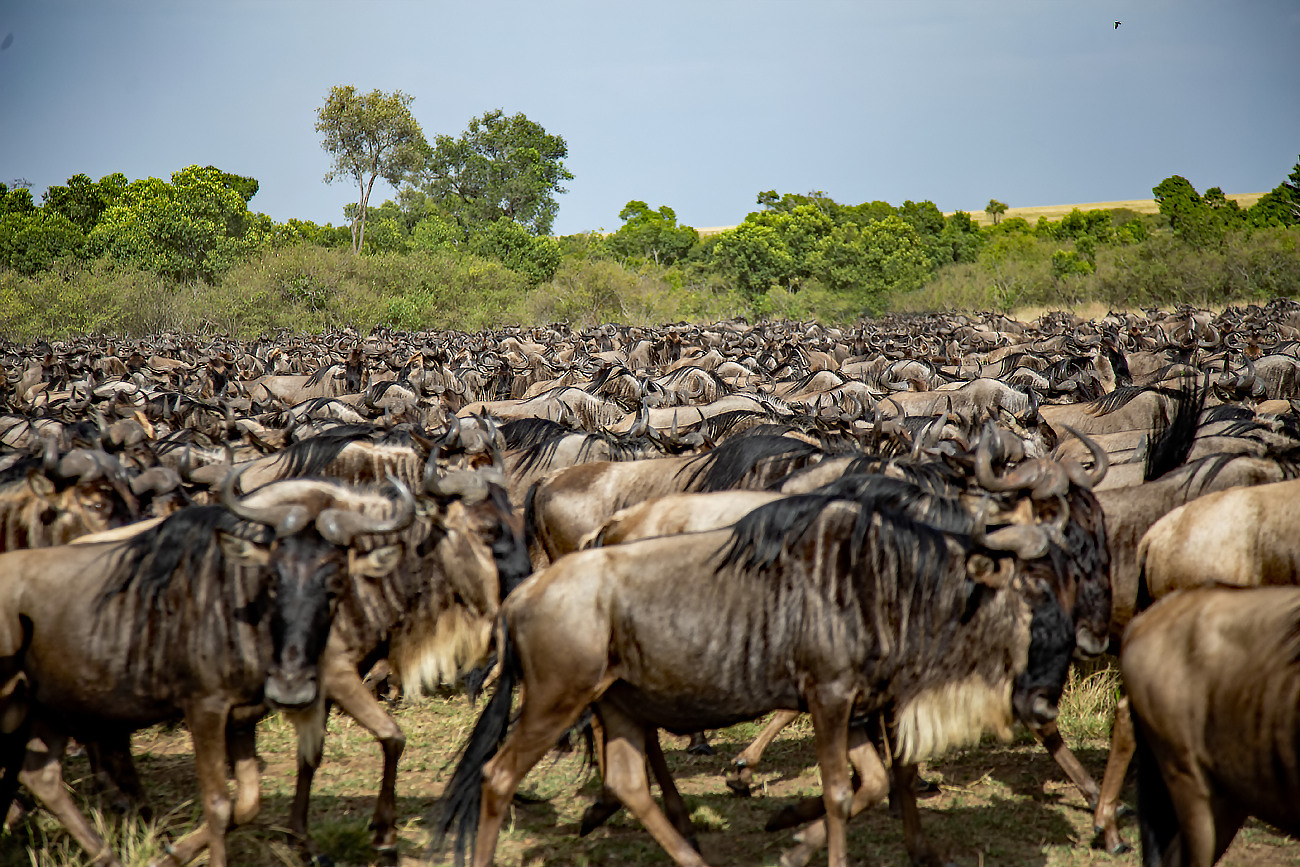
(457, 811)
(1157, 821)
(1144, 598)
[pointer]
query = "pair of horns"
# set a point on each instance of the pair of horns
(335, 525)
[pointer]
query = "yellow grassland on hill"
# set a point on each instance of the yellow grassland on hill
(1055, 212)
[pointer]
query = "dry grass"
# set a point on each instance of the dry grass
(1000, 804)
(1056, 212)
(1053, 212)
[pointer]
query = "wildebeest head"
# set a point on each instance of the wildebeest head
(1059, 494)
(315, 524)
(84, 491)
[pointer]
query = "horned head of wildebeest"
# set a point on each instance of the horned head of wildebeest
(314, 526)
(482, 493)
(1058, 494)
(63, 497)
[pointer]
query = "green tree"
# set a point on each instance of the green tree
(754, 256)
(995, 209)
(84, 201)
(1190, 216)
(1281, 206)
(370, 136)
(192, 228)
(32, 241)
(535, 257)
(652, 235)
(870, 262)
(501, 166)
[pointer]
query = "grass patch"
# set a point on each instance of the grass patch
(999, 804)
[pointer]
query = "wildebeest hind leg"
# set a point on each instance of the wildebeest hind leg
(625, 774)
(741, 774)
(674, 806)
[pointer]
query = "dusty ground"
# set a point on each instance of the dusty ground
(1000, 804)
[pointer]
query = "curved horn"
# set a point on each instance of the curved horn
(286, 519)
(80, 463)
(340, 526)
(50, 459)
(642, 423)
(1100, 460)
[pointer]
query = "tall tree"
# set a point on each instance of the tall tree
(995, 209)
(370, 136)
(499, 167)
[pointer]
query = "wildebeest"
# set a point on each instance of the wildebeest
(53, 499)
(201, 616)
(430, 616)
(812, 602)
(1213, 676)
(568, 504)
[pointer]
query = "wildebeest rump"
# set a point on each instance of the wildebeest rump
(1213, 676)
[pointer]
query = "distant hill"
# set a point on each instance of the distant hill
(1055, 212)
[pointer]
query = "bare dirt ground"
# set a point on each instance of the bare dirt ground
(999, 804)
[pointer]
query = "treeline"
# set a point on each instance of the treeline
(134, 257)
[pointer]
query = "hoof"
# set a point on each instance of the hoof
(701, 748)
(386, 856)
(320, 860)
(786, 817)
(926, 787)
(595, 816)
(1099, 843)
(739, 788)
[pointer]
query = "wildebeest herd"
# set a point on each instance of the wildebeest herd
(908, 529)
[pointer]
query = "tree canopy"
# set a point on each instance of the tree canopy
(370, 136)
(501, 166)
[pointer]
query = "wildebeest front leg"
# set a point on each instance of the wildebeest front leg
(873, 786)
(830, 706)
(43, 777)
(347, 689)
(206, 719)
(1050, 737)
(1105, 822)
(918, 848)
(241, 744)
(625, 774)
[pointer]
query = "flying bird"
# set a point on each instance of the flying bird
(1117, 23)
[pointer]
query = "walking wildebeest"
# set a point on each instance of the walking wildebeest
(200, 617)
(811, 602)
(1213, 677)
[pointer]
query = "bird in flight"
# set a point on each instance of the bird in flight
(1117, 23)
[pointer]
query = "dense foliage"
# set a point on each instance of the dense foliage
(136, 256)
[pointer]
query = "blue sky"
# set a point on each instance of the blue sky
(697, 105)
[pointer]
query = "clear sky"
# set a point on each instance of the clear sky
(699, 105)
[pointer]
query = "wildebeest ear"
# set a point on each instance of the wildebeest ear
(376, 563)
(41, 485)
(242, 550)
(985, 570)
